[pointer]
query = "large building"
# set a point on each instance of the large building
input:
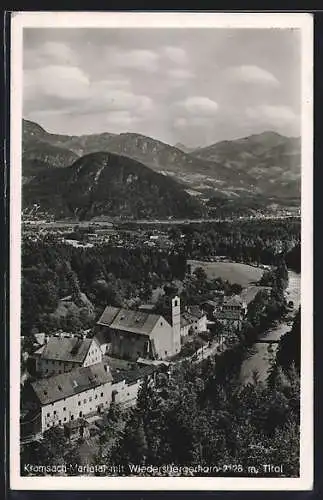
(63, 398)
(60, 355)
(140, 334)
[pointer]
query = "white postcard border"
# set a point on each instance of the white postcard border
(302, 21)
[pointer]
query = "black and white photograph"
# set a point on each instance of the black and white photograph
(161, 251)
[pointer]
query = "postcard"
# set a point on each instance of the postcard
(161, 226)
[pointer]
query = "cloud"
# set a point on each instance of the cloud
(199, 106)
(121, 118)
(178, 77)
(175, 54)
(50, 53)
(140, 59)
(251, 74)
(124, 101)
(65, 82)
(274, 115)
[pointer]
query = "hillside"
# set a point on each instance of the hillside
(201, 177)
(274, 161)
(253, 169)
(108, 184)
(182, 147)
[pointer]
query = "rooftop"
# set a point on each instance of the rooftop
(49, 390)
(65, 349)
(139, 322)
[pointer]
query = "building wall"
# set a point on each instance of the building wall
(130, 345)
(67, 409)
(185, 330)
(199, 325)
(49, 367)
(126, 394)
(176, 324)
(94, 354)
(166, 344)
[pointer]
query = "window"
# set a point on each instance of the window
(165, 353)
(64, 419)
(46, 371)
(90, 399)
(60, 422)
(48, 414)
(175, 303)
(47, 425)
(79, 403)
(80, 414)
(101, 394)
(54, 412)
(72, 417)
(84, 401)
(96, 396)
(64, 409)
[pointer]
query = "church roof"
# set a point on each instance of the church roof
(128, 320)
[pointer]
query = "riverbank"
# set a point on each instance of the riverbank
(262, 354)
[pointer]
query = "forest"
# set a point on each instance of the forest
(199, 413)
(114, 275)
(197, 416)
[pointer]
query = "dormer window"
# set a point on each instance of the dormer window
(59, 388)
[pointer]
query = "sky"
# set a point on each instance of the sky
(194, 86)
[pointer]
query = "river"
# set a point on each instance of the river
(261, 354)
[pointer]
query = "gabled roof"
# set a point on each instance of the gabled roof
(108, 315)
(192, 314)
(135, 321)
(127, 320)
(65, 349)
(49, 390)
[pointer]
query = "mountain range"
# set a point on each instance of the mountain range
(108, 184)
(265, 167)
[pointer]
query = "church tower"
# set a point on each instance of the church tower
(176, 324)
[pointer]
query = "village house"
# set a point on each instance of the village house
(59, 355)
(232, 311)
(140, 334)
(60, 399)
(193, 321)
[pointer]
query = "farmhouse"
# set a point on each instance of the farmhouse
(59, 355)
(141, 334)
(63, 398)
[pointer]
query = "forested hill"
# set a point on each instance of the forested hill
(108, 184)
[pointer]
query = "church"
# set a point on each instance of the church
(140, 334)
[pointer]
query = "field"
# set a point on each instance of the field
(233, 272)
